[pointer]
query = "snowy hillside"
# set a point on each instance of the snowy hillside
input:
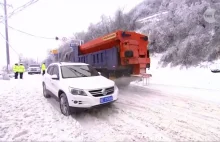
(183, 35)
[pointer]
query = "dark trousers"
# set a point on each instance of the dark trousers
(21, 75)
(16, 75)
(43, 72)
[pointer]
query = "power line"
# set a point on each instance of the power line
(23, 7)
(20, 8)
(9, 44)
(30, 34)
(5, 19)
(9, 5)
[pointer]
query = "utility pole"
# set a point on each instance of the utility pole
(6, 35)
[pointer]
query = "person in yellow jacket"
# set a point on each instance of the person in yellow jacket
(43, 68)
(15, 70)
(21, 70)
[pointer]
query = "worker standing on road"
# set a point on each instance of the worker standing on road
(21, 70)
(43, 68)
(15, 70)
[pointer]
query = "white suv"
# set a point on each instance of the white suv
(77, 85)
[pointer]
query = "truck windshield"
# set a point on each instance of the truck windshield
(75, 71)
(34, 66)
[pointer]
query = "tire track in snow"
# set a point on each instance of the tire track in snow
(164, 124)
(120, 126)
(160, 109)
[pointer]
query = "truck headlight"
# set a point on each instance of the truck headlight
(75, 91)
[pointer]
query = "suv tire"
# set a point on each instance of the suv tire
(45, 93)
(64, 105)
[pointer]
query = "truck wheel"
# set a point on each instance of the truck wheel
(45, 93)
(64, 105)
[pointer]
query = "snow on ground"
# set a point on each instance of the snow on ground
(152, 113)
(176, 115)
(26, 115)
(196, 77)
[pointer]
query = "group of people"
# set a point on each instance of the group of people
(19, 69)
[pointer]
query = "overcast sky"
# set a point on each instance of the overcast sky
(50, 18)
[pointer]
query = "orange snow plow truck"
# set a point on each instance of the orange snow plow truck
(122, 56)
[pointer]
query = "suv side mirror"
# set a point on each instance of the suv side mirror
(54, 76)
(99, 73)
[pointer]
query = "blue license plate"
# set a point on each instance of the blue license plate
(106, 99)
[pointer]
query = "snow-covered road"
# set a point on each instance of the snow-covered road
(141, 114)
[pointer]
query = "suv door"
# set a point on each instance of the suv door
(55, 82)
(47, 77)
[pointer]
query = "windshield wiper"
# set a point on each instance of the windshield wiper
(91, 72)
(83, 75)
(73, 72)
(85, 70)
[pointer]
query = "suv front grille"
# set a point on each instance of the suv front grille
(102, 92)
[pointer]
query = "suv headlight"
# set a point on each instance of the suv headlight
(75, 91)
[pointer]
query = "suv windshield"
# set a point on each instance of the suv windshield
(75, 71)
(34, 66)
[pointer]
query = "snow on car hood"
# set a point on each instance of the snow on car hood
(94, 82)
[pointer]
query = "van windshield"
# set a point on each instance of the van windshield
(34, 66)
(75, 71)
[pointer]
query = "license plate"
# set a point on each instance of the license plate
(106, 99)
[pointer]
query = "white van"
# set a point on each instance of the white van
(34, 69)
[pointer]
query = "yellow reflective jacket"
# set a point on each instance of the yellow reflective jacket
(15, 68)
(43, 67)
(21, 68)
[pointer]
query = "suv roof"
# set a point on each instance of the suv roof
(68, 63)
(34, 65)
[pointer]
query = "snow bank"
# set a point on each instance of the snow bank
(195, 77)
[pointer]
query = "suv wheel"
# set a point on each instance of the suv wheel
(46, 95)
(64, 105)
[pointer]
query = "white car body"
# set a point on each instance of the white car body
(95, 88)
(34, 69)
